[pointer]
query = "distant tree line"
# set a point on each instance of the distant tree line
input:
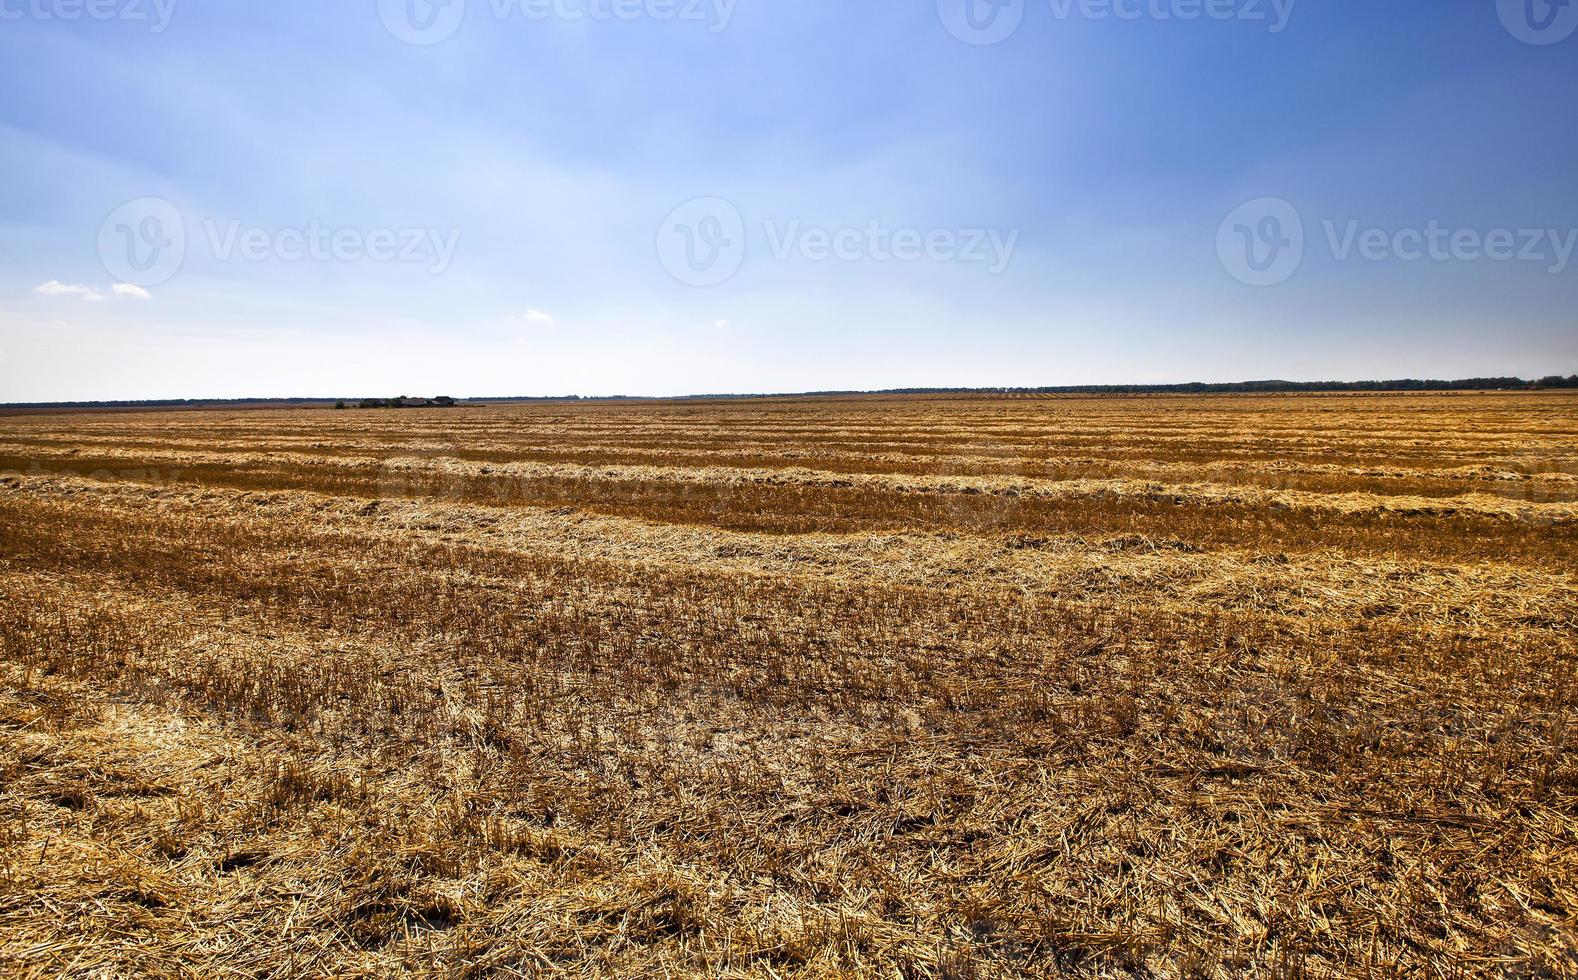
(1197, 387)
(169, 403)
(1400, 384)
(401, 401)
(1208, 388)
(559, 398)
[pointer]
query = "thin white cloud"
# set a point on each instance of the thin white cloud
(530, 316)
(721, 324)
(87, 294)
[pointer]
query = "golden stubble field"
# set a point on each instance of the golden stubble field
(891, 687)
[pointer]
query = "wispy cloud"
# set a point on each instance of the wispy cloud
(55, 289)
(87, 294)
(532, 316)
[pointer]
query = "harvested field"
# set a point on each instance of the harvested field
(881, 686)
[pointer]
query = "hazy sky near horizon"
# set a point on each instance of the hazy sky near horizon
(484, 197)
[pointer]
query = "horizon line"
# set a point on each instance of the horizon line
(1267, 386)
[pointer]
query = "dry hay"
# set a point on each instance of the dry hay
(890, 687)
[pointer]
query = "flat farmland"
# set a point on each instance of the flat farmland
(872, 686)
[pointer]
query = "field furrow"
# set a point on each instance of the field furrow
(373, 692)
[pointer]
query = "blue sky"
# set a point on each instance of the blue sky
(511, 201)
